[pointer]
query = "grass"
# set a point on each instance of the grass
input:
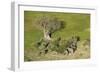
(75, 24)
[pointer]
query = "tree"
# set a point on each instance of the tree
(48, 24)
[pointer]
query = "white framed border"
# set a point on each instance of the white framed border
(17, 48)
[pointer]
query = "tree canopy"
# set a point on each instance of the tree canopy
(48, 24)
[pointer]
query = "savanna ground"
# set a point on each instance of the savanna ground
(75, 24)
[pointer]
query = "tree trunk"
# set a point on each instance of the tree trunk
(47, 35)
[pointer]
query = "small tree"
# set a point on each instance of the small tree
(48, 24)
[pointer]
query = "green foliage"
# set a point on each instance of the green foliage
(49, 23)
(58, 45)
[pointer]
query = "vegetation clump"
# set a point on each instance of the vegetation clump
(58, 45)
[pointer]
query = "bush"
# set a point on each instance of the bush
(58, 45)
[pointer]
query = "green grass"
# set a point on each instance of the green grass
(75, 24)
